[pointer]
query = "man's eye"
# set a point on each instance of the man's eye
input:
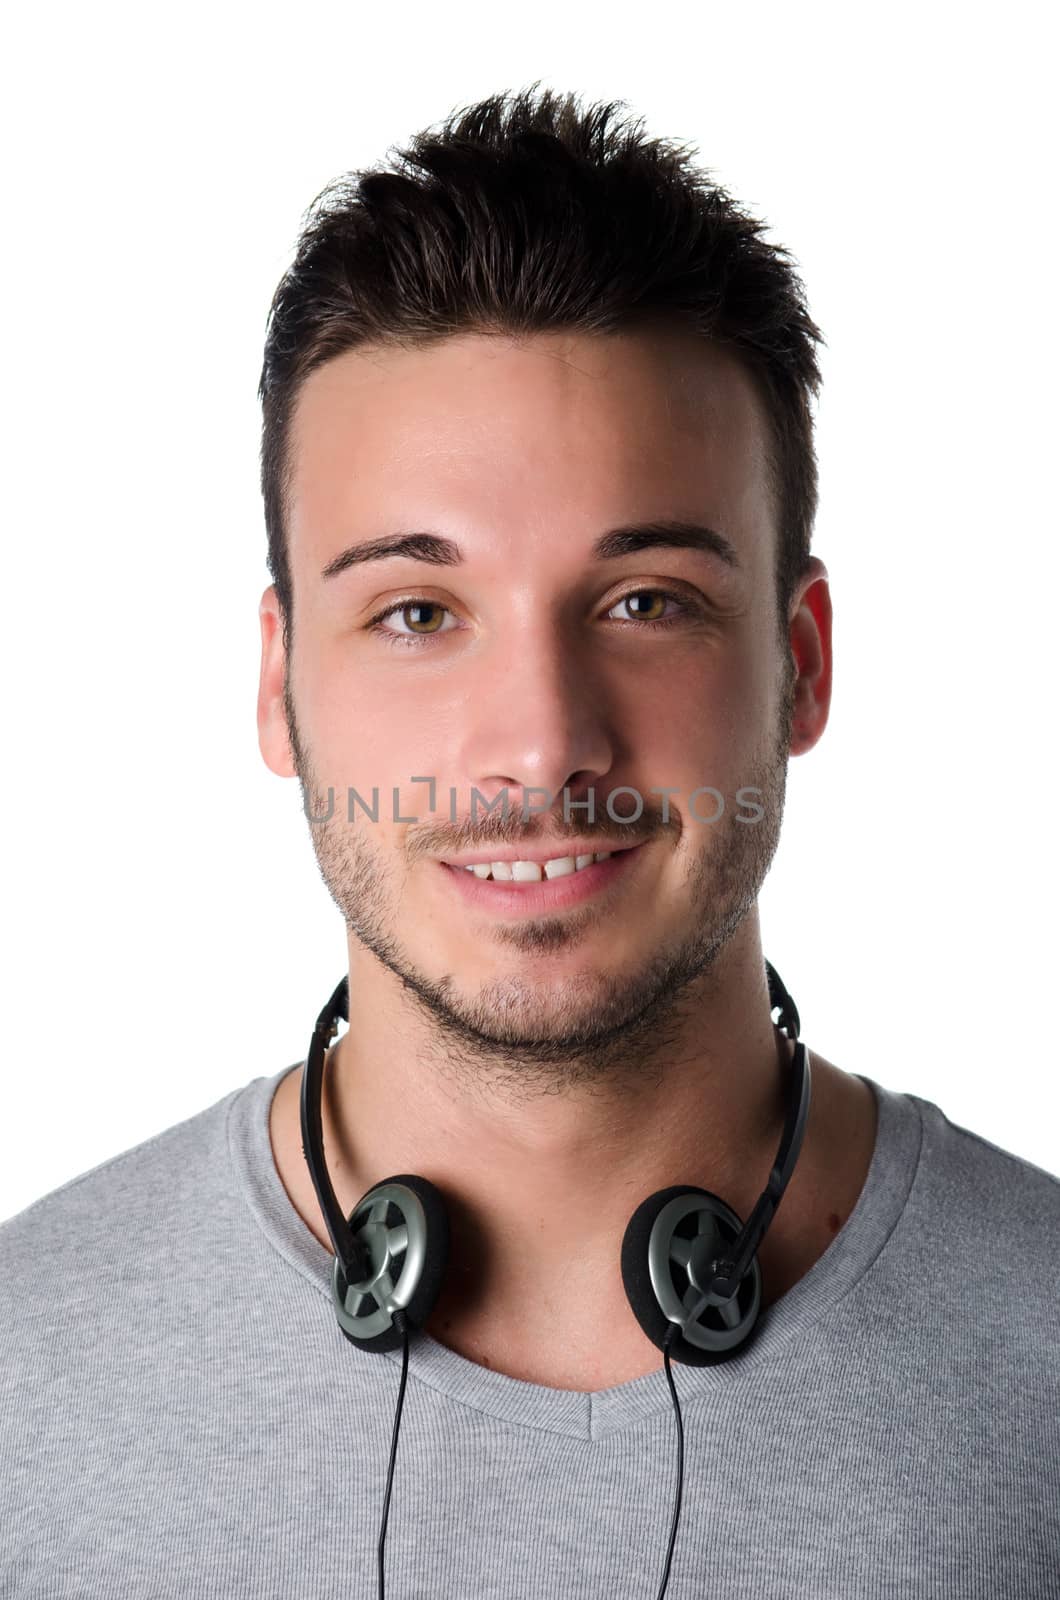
(423, 619)
(648, 607)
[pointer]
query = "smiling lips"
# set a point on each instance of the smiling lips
(520, 888)
(517, 888)
(531, 871)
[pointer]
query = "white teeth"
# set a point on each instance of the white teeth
(533, 871)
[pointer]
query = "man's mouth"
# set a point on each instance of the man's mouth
(517, 886)
(532, 871)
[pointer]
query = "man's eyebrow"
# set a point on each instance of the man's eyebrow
(415, 546)
(668, 533)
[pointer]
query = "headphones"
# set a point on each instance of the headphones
(689, 1265)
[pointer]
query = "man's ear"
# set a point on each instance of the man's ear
(273, 734)
(810, 636)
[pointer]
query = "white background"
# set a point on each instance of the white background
(167, 935)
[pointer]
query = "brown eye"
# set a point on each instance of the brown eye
(416, 621)
(646, 604)
(417, 614)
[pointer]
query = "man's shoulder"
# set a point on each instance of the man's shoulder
(67, 1243)
(966, 1156)
(986, 1205)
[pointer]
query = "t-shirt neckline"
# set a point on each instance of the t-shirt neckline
(851, 1254)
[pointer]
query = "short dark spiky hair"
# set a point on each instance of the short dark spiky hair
(528, 214)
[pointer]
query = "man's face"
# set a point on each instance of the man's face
(532, 663)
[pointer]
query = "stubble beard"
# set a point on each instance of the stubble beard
(588, 1030)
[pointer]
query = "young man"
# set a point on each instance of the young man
(539, 484)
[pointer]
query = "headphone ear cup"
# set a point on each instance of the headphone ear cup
(402, 1226)
(667, 1252)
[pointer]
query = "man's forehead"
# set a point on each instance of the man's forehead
(653, 414)
(653, 371)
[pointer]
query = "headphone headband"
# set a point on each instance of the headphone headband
(347, 1250)
(730, 1271)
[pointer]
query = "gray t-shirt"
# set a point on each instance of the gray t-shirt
(181, 1415)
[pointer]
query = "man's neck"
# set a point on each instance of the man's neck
(693, 1080)
(539, 1189)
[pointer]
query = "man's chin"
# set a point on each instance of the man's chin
(554, 1020)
